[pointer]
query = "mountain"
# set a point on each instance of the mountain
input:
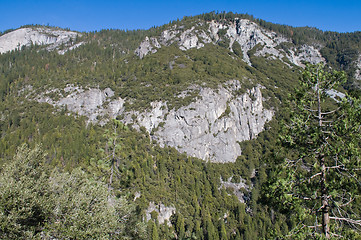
(189, 112)
(27, 36)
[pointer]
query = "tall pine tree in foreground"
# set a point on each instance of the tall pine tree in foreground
(318, 178)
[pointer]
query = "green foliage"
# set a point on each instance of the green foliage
(36, 204)
(84, 209)
(319, 176)
(68, 140)
(155, 235)
(25, 199)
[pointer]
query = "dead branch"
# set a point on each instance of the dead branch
(358, 222)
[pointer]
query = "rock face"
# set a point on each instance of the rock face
(147, 46)
(92, 103)
(38, 36)
(305, 54)
(237, 188)
(242, 32)
(248, 34)
(358, 69)
(164, 213)
(209, 128)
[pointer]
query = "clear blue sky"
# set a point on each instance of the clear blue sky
(90, 15)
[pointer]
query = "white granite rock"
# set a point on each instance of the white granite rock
(37, 36)
(241, 31)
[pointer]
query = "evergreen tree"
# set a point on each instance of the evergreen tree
(319, 179)
(180, 226)
(25, 200)
(211, 230)
(155, 235)
(37, 204)
(223, 232)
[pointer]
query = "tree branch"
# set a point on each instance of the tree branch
(326, 113)
(358, 222)
(345, 204)
(339, 167)
(315, 175)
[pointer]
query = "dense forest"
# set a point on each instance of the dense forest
(67, 178)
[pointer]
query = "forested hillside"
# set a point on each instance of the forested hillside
(83, 146)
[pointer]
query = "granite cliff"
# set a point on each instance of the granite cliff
(209, 128)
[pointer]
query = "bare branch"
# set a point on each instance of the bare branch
(326, 113)
(309, 109)
(339, 167)
(336, 235)
(315, 226)
(315, 175)
(358, 222)
(345, 204)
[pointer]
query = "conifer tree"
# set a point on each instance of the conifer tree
(223, 232)
(180, 226)
(319, 179)
(155, 235)
(25, 200)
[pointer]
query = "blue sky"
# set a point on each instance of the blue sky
(90, 15)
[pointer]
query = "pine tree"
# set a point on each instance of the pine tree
(155, 235)
(180, 226)
(223, 232)
(319, 179)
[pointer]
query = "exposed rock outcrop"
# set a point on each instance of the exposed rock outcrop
(239, 189)
(305, 54)
(163, 213)
(147, 46)
(248, 34)
(209, 128)
(243, 32)
(92, 103)
(38, 36)
(358, 69)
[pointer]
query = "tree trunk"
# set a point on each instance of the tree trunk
(112, 164)
(324, 194)
(324, 201)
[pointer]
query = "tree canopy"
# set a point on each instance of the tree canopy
(37, 203)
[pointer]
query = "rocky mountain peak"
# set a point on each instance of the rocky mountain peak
(242, 32)
(52, 38)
